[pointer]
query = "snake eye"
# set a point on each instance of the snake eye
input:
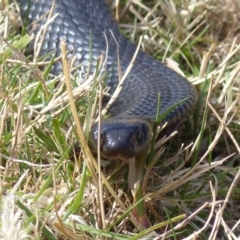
(102, 137)
(138, 134)
(132, 143)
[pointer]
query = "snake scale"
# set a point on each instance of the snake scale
(88, 27)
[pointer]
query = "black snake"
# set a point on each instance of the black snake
(88, 27)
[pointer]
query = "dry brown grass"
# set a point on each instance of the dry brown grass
(192, 183)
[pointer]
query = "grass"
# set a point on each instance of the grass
(191, 179)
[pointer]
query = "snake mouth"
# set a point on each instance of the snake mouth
(121, 138)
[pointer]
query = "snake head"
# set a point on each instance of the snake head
(121, 138)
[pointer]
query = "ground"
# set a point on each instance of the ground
(189, 181)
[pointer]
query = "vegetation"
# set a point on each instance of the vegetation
(190, 179)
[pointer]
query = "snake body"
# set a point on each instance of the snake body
(90, 30)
